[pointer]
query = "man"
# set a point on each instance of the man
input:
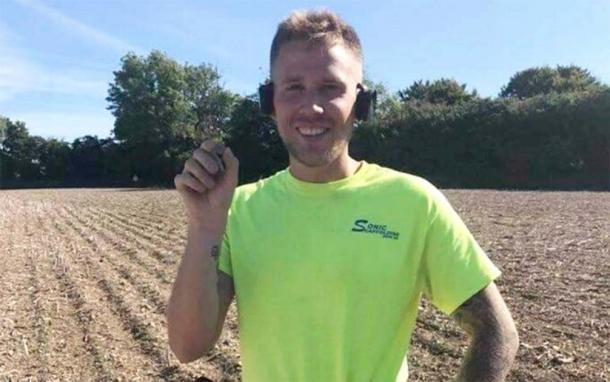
(329, 258)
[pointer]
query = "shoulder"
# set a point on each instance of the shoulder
(407, 183)
(419, 192)
(263, 187)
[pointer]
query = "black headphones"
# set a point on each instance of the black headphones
(366, 101)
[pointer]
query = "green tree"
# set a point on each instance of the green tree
(387, 103)
(4, 159)
(254, 139)
(20, 152)
(444, 91)
(3, 126)
(575, 79)
(544, 80)
(369, 137)
(55, 160)
(210, 105)
(87, 158)
(163, 109)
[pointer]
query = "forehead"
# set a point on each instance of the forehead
(300, 59)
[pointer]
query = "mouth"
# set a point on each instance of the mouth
(311, 133)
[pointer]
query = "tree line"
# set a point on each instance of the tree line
(548, 128)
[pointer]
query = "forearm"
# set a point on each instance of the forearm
(489, 358)
(494, 339)
(193, 307)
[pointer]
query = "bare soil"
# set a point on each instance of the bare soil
(85, 276)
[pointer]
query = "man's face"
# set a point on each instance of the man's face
(314, 94)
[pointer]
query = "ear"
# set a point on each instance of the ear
(366, 101)
(265, 94)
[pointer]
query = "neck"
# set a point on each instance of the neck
(340, 168)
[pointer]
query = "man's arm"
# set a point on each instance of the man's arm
(226, 291)
(493, 337)
(201, 294)
(200, 299)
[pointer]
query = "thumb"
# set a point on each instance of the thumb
(231, 165)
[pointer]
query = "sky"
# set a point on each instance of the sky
(57, 57)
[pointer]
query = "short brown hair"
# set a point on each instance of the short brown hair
(317, 27)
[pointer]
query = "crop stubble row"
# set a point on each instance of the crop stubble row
(101, 282)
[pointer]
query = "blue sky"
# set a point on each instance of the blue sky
(57, 57)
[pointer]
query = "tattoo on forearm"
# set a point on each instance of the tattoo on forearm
(215, 252)
(492, 349)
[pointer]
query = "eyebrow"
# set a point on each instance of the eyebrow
(300, 78)
(291, 79)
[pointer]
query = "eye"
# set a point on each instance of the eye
(293, 87)
(332, 87)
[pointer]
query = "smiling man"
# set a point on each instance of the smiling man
(315, 88)
(329, 258)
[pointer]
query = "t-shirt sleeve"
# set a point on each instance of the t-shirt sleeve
(224, 259)
(455, 265)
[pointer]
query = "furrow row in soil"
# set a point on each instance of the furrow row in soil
(164, 256)
(73, 318)
(166, 253)
(35, 342)
(131, 224)
(16, 324)
(213, 362)
(125, 305)
(120, 242)
(156, 205)
(35, 260)
(435, 343)
(121, 335)
(156, 231)
(138, 277)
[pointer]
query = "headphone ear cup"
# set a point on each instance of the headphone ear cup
(366, 102)
(265, 97)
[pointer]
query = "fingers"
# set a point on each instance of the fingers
(208, 144)
(208, 161)
(212, 145)
(201, 171)
(216, 149)
(187, 181)
(193, 167)
(231, 162)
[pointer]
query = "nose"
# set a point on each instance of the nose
(311, 104)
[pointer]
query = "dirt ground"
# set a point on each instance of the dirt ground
(85, 276)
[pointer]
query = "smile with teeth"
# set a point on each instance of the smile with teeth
(311, 132)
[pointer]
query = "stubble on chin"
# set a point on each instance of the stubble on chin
(325, 158)
(322, 159)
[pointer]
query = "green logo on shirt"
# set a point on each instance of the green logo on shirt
(363, 225)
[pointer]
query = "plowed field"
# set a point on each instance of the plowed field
(85, 276)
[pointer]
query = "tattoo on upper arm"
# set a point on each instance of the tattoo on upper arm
(472, 313)
(485, 311)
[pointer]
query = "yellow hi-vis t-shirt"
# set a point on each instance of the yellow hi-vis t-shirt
(328, 277)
